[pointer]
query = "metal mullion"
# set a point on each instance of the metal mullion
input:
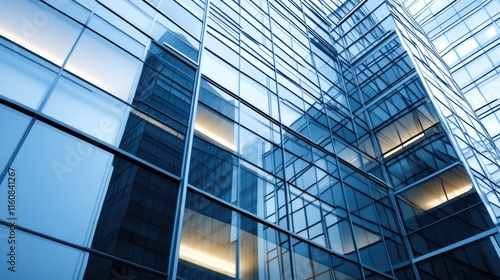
(288, 206)
(45, 97)
(183, 188)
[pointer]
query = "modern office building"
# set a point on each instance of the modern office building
(465, 34)
(211, 139)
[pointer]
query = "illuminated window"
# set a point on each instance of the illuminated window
(206, 242)
(209, 238)
(39, 29)
(438, 190)
(405, 130)
(220, 130)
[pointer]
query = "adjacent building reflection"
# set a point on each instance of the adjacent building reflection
(137, 214)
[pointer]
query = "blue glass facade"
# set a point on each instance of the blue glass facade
(465, 34)
(190, 139)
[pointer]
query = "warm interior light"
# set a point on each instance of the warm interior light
(393, 151)
(457, 192)
(406, 144)
(207, 242)
(158, 124)
(201, 258)
(214, 137)
(415, 138)
(32, 47)
(439, 190)
(443, 198)
(92, 79)
(433, 203)
(405, 130)
(215, 127)
(47, 54)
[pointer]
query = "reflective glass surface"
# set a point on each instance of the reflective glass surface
(36, 27)
(65, 262)
(30, 257)
(26, 79)
(116, 75)
(15, 125)
(55, 183)
(120, 209)
(471, 261)
(87, 109)
(193, 139)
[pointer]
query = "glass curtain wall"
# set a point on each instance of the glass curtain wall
(196, 139)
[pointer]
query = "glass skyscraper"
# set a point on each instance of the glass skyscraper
(465, 34)
(251, 139)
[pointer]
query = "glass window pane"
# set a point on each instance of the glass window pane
(254, 93)
(73, 9)
(135, 221)
(371, 248)
(81, 194)
(64, 262)
(405, 130)
(208, 242)
(13, 125)
(118, 31)
(437, 191)
(24, 79)
(90, 111)
(306, 216)
(219, 130)
(475, 260)
(258, 151)
(37, 27)
(311, 262)
(219, 100)
(339, 232)
(54, 182)
(213, 168)
(116, 74)
(264, 252)
(156, 133)
(258, 124)
(166, 32)
(262, 194)
(131, 12)
(177, 13)
(220, 71)
(31, 261)
(98, 267)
